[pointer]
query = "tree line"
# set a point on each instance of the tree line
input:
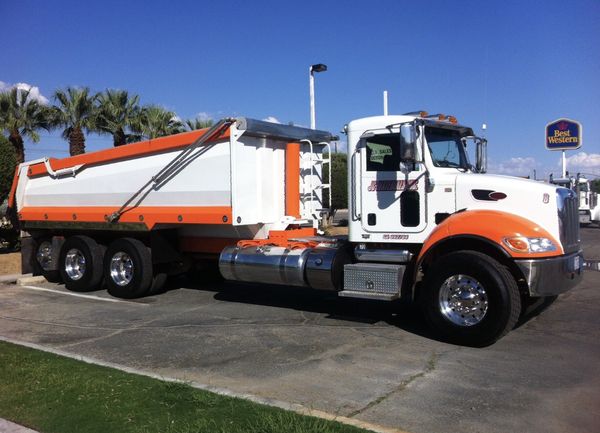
(77, 111)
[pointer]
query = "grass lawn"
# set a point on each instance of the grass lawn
(54, 394)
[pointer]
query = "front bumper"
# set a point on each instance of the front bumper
(552, 276)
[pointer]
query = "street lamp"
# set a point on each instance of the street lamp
(319, 67)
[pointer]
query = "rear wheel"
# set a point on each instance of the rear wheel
(80, 264)
(470, 298)
(45, 259)
(128, 269)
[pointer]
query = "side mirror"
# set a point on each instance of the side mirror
(408, 142)
(481, 156)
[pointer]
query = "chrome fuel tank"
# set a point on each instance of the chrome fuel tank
(264, 264)
(319, 268)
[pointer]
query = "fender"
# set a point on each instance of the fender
(490, 225)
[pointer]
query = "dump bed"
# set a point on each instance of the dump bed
(225, 180)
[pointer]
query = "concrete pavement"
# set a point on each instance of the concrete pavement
(363, 360)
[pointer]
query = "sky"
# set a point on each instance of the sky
(514, 65)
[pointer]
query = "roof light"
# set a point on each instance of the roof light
(420, 113)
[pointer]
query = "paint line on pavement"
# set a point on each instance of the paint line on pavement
(79, 295)
(294, 407)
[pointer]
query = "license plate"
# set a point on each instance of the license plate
(576, 263)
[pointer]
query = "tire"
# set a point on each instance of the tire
(159, 280)
(42, 260)
(80, 264)
(491, 287)
(128, 269)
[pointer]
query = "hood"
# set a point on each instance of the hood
(530, 199)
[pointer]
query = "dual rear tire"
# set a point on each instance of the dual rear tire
(128, 270)
(124, 267)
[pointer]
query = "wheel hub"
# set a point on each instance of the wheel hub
(463, 300)
(121, 268)
(75, 264)
(44, 255)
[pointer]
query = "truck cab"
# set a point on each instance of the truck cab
(413, 192)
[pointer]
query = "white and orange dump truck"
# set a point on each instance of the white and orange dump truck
(424, 223)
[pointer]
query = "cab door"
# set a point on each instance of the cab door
(392, 200)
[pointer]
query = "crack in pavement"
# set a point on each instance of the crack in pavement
(429, 367)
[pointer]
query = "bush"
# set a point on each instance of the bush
(339, 181)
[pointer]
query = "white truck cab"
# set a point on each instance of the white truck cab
(413, 192)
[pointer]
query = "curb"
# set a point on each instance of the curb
(10, 427)
(28, 279)
(13, 278)
(293, 407)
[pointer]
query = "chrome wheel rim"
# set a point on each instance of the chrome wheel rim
(463, 300)
(75, 264)
(121, 268)
(44, 255)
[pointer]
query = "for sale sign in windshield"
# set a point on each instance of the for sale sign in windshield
(563, 134)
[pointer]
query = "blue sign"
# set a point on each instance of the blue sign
(563, 134)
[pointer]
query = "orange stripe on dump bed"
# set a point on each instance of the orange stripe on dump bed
(149, 215)
(149, 147)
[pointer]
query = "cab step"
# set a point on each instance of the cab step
(373, 281)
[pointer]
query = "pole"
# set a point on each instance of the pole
(385, 103)
(313, 121)
(564, 165)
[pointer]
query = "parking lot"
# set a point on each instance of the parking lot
(371, 361)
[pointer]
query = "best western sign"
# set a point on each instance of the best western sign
(563, 134)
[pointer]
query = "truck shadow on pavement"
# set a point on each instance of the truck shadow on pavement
(403, 315)
(327, 304)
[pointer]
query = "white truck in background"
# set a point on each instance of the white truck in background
(425, 224)
(587, 200)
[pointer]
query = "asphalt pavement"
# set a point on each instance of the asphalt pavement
(366, 360)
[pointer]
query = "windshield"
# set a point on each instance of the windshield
(583, 187)
(446, 148)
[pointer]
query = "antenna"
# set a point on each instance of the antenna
(385, 102)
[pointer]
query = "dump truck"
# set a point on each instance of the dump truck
(425, 224)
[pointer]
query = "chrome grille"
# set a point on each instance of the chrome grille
(568, 219)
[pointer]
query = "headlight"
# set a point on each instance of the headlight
(522, 244)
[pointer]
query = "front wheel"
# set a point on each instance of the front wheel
(470, 298)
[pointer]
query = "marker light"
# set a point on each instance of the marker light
(423, 114)
(452, 119)
(441, 117)
(522, 244)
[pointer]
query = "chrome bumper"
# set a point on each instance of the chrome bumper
(552, 276)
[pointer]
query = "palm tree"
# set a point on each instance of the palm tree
(22, 116)
(155, 121)
(75, 111)
(117, 111)
(198, 123)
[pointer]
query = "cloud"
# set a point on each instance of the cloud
(583, 162)
(516, 166)
(203, 115)
(34, 91)
(271, 119)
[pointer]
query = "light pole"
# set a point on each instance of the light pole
(319, 67)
